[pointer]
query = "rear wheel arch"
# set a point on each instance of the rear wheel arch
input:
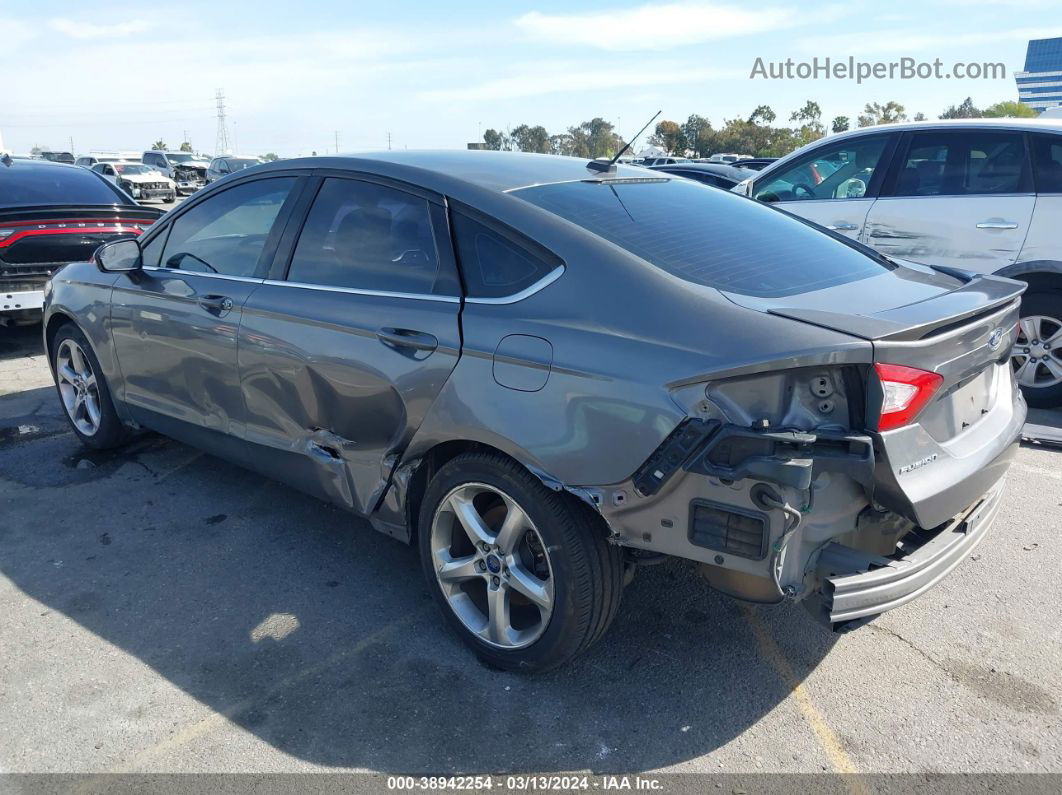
(436, 457)
(1040, 275)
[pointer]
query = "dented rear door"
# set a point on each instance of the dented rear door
(342, 357)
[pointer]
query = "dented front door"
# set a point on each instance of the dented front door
(340, 361)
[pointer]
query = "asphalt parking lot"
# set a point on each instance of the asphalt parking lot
(163, 611)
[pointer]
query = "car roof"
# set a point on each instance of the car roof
(721, 169)
(40, 165)
(492, 170)
(1040, 125)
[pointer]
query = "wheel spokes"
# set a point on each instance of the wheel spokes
(513, 527)
(469, 519)
(498, 626)
(1026, 372)
(1030, 327)
(454, 570)
(539, 592)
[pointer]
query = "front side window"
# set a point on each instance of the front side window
(1047, 149)
(834, 171)
(962, 164)
(706, 236)
(227, 232)
(365, 236)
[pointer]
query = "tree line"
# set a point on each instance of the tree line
(755, 135)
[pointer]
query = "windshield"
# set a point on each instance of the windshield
(132, 168)
(180, 157)
(21, 187)
(237, 163)
(708, 236)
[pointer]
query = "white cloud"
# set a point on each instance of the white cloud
(90, 30)
(533, 81)
(898, 43)
(655, 26)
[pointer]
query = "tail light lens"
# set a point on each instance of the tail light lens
(905, 392)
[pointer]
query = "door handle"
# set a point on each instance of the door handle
(407, 338)
(218, 304)
(842, 227)
(997, 225)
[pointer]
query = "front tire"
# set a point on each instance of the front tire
(83, 391)
(1037, 355)
(524, 575)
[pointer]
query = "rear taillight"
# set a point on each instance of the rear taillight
(905, 392)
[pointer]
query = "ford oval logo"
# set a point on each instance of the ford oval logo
(995, 338)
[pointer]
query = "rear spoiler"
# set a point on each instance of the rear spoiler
(979, 296)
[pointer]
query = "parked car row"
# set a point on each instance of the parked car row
(980, 195)
(544, 372)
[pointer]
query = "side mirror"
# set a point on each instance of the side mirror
(119, 256)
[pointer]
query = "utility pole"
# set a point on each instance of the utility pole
(337, 142)
(72, 144)
(388, 142)
(221, 143)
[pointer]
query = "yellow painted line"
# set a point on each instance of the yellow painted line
(216, 720)
(826, 737)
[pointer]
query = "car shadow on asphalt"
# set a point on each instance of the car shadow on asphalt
(300, 624)
(20, 341)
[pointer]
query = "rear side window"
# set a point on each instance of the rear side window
(27, 185)
(707, 236)
(963, 164)
(227, 232)
(366, 236)
(1047, 151)
(496, 264)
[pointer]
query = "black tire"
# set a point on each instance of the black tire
(1045, 303)
(586, 570)
(111, 432)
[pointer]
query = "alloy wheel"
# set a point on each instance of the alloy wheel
(78, 387)
(492, 566)
(1037, 355)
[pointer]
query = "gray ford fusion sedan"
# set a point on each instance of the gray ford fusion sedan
(546, 373)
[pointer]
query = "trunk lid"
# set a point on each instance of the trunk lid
(958, 325)
(35, 241)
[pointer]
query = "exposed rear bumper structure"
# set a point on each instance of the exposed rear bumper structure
(856, 585)
(31, 298)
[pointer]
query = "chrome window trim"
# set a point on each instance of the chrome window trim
(181, 272)
(527, 292)
(448, 299)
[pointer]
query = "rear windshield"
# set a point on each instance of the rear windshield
(708, 236)
(24, 186)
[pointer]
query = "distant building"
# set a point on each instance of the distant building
(1040, 85)
(477, 145)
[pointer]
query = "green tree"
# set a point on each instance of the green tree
(269, 157)
(186, 146)
(840, 124)
(668, 136)
(1010, 109)
(748, 138)
(810, 119)
(920, 116)
(965, 110)
(561, 144)
(889, 113)
(160, 145)
(531, 139)
(763, 115)
(495, 140)
(696, 134)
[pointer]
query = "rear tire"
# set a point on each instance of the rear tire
(537, 550)
(83, 390)
(1041, 315)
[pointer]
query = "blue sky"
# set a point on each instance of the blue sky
(434, 74)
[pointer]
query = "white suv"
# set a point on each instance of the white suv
(982, 195)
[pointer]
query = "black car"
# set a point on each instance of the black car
(754, 163)
(52, 214)
(717, 174)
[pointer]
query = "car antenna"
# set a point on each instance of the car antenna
(602, 166)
